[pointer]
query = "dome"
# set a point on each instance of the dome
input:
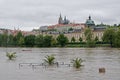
(90, 22)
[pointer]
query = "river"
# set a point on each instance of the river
(95, 58)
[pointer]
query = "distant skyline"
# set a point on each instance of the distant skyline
(30, 14)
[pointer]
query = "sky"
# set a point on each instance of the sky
(31, 14)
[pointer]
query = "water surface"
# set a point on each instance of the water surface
(95, 58)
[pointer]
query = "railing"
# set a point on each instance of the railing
(33, 65)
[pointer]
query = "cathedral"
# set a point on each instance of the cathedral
(63, 21)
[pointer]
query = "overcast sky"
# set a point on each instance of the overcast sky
(29, 14)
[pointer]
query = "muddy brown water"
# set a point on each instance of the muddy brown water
(95, 58)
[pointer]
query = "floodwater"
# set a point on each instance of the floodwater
(95, 58)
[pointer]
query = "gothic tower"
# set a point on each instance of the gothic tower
(60, 20)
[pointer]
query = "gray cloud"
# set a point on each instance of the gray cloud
(29, 14)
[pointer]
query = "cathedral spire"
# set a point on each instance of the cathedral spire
(65, 19)
(60, 20)
(60, 16)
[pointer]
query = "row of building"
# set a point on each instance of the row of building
(73, 29)
(64, 26)
(15, 32)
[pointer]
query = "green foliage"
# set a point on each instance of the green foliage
(47, 41)
(19, 35)
(49, 59)
(11, 56)
(73, 39)
(15, 41)
(91, 43)
(21, 41)
(70, 29)
(1, 40)
(77, 62)
(39, 40)
(4, 39)
(10, 41)
(29, 40)
(89, 38)
(43, 41)
(62, 40)
(88, 34)
(109, 36)
(117, 39)
(16, 38)
(53, 42)
(96, 39)
(80, 39)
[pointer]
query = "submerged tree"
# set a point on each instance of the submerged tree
(77, 63)
(49, 59)
(11, 56)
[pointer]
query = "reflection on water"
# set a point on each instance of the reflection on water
(94, 59)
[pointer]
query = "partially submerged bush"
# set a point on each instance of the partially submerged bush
(11, 56)
(49, 59)
(77, 63)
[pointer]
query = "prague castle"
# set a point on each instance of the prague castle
(75, 30)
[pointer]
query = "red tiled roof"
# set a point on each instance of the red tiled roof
(62, 25)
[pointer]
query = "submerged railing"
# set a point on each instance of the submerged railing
(33, 65)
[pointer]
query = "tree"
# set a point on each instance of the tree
(15, 42)
(18, 36)
(53, 42)
(70, 29)
(73, 39)
(109, 36)
(88, 34)
(77, 62)
(5, 39)
(49, 59)
(62, 40)
(47, 41)
(30, 40)
(89, 37)
(39, 40)
(80, 39)
(117, 39)
(96, 39)
(1, 39)
(21, 41)
(11, 56)
(10, 41)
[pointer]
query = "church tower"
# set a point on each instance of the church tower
(60, 20)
